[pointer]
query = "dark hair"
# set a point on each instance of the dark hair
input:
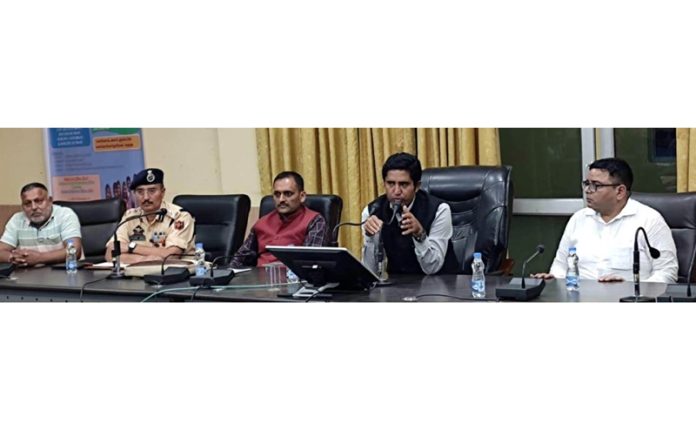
(617, 169)
(29, 187)
(403, 161)
(290, 174)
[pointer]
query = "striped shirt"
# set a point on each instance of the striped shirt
(61, 226)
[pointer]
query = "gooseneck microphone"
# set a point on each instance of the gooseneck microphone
(523, 288)
(334, 234)
(213, 278)
(171, 275)
(396, 209)
(116, 251)
(379, 252)
(654, 253)
(679, 292)
(539, 250)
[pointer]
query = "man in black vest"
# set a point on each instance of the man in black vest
(412, 227)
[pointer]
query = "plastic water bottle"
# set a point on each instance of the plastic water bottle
(478, 278)
(71, 258)
(292, 277)
(201, 270)
(572, 272)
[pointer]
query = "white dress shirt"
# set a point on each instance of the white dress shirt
(606, 248)
(430, 253)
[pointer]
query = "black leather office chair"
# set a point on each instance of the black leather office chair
(679, 212)
(98, 220)
(329, 206)
(481, 201)
(221, 220)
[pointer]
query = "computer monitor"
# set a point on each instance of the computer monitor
(326, 265)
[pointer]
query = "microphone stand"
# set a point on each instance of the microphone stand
(675, 292)
(521, 288)
(380, 263)
(223, 277)
(334, 234)
(396, 208)
(117, 273)
(654, 253)
(379, 251)
(172, 275)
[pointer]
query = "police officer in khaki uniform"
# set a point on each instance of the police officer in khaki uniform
(155, 237)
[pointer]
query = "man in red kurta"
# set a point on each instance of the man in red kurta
(291, 223)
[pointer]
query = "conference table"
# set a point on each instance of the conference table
(50, 285)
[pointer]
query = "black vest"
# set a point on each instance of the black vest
(399, 249)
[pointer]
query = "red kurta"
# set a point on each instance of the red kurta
(271, 229)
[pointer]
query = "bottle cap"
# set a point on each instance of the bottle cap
(199, 245)
(477, 255)
(572, 249)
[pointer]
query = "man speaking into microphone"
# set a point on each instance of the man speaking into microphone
(155, 237)
(414, 227)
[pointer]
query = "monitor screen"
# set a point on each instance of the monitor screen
(325, 265)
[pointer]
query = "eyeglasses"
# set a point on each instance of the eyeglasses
(594, 186)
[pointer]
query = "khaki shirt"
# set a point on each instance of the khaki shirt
(176, 229)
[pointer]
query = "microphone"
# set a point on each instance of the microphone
(380, 262)
(6, 269)
(172, 275)
(523, 289)
(334, 234)
(677, 292)
(396, 209)
(116, 252)
(221, 277)
(161, 215)
(654, 253)
(379, 251)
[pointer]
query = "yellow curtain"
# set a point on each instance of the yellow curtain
(442, 147)
(348, 161)
(686, 159)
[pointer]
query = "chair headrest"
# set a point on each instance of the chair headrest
(678, 210)
(463, 183)
(213, 209)
(96, 211)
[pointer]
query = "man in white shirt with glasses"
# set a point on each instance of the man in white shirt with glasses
(603, 233)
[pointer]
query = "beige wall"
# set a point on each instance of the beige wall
(195, 160)
(21, 161)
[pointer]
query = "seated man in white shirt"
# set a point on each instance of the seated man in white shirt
(39, 233)
(604, 232)
(414, 227)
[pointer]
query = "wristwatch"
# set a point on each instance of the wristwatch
(131, 247)
(421, 237)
